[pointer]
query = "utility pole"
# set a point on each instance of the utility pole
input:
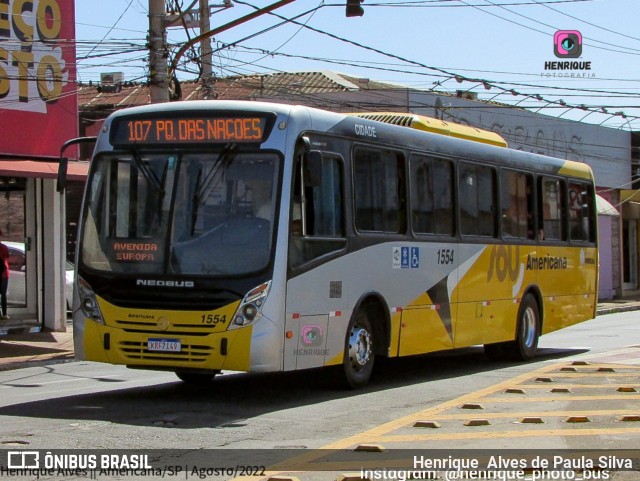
(210, 33)
(158, 81)
(206, 57)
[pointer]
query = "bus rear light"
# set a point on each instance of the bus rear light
(250, 309)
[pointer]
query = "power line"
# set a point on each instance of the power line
(635, 51)
(546, 5)
(109, 31)
(450, 74)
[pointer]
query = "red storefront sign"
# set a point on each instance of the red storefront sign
(38, 101)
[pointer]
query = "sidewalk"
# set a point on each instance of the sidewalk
(34, 349)
(25, 350)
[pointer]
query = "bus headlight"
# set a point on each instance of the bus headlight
(250, 309)
(88, 301)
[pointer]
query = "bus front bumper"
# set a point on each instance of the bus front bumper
(227, 350)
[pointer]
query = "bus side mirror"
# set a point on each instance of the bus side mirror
(62, 174)
(64, 161)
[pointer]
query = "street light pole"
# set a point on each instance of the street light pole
(215, 31)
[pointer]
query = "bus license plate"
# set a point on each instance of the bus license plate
(164, 345)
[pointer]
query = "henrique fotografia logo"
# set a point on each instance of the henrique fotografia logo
(567, 44)
(312, 335)
(311, 341)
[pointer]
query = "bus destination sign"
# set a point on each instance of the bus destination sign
(187, 130)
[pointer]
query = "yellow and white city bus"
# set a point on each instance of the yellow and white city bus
(258, 237)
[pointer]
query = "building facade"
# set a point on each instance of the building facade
(607, 151)
(38, 113)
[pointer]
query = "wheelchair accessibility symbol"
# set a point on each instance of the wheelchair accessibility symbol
(406, 257)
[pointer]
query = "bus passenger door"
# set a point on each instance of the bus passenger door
(315, 324)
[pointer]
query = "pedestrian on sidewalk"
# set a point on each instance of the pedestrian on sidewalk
(4, 276)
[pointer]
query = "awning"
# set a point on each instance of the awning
(42, 170)
(604, 207)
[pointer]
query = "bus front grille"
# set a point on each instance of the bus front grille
(137, 351)
(183, 329)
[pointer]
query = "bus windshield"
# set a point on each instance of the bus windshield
(191, 213)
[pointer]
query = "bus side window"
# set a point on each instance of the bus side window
(380, 197)
(317, 208)
(431, 195)
(550, 210)
(581, 212)
(517, 205)
(476, 200)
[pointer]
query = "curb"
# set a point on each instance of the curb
(616, 309)
(11, 366)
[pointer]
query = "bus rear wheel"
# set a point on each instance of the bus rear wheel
(359, 352)
(196, 377)
(525, 346)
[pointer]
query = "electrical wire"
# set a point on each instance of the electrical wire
(112, 27)
(634, 51)
(444, 72)
(546, 5)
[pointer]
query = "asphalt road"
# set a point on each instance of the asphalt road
(82, 405)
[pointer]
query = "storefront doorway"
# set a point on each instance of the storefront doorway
(21, 300)
(630, 254)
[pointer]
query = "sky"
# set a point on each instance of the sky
(501, 49)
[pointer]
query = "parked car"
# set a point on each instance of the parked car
(68, 284)
(16, 292)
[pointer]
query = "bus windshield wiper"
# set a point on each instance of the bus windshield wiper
(151, 178)
(149, 175)
(217, 170)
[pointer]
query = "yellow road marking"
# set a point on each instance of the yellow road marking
(381, 433)
(429, 412)
(549, 414)
(554, 385)
(560, 397)
(503, 434)
(592, 366)
(595, 375)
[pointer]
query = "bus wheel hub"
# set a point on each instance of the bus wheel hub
(359, 347)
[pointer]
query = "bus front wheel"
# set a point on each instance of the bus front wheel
(196, 377)
(359, 352)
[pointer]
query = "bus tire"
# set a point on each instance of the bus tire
(525, 345)
(359, 352)
(196, 377)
